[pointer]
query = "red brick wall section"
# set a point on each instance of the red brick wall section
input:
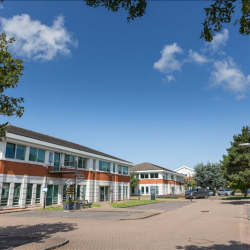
(18, 168)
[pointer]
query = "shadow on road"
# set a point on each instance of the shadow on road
(236, 202)
(14, 236)
(232, 245)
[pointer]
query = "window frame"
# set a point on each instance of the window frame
(15, 151)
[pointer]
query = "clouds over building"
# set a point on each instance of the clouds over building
(37, 41)
(224, 72)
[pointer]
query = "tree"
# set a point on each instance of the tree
(189, 182)
(236, 164)
(134, 180)
(10, 72)
(209, 175)
(219, 13)
(135, 8)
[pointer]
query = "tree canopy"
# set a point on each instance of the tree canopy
(209, 175)
(134, 180)
(10, 72)
(217, 14)
(236, 163)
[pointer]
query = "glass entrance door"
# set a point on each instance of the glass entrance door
(104, 193)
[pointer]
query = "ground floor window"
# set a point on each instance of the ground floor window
(52, 195)
(146, 190)
(119, 193)
(16, 194)
(38, 193)
(126, 192)
(142, 190)
(157, 190)
(5, 194)
(81, 192)
(29, 193)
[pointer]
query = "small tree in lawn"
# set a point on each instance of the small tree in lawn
(236, 163)
(10, 72)
(134, 180)
(209, 175)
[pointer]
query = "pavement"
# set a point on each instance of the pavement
(205, 224)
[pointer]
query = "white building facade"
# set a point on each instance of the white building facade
(188, 172)
(166, 181)
(30, 161)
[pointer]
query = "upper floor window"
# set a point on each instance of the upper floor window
(104, 166)
(113, 167)
(81, 162)
(144, 176)
(172, 177)
(119, 169)
(125, 170)
(14, 151)
(69, 160)
(37, 155)
(154, 175)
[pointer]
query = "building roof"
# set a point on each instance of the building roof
(191, 169)
(148, 166)
(46, 138)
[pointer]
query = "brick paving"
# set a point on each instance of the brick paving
(225, 226)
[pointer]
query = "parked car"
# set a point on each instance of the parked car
(225, 192)
(197, 193)
(210, 192)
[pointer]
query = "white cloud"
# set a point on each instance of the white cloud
(226, 74)
(168, 63)
(240, 97)
(219, 41)
(35, 40)
(196, 57)
(1, 6)
(170, 78)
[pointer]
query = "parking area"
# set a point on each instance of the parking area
(204, 224)
(166, 205)
(70, 215)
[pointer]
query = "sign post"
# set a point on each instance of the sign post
(153, 192)
(139, 192)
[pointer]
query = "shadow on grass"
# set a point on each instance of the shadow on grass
(14, 236)
(236, 202)
(233, 245)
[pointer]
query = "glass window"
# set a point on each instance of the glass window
(119, 169)
(113, 167)
(157, 190)
(16, 194)
(5, 194)
(20, 152)
(125, 170)
(142, 176)
(142, 190)
(37, 155)
(10, 150)
(146, 190)
(104, 166)
(69, 160)
(57, 160)
(14, 151)
(38, 191)
(81, 162)
(172, 177)
(41, 155)
(33, 154)
(146, 176)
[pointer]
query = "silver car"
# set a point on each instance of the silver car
(225, 192)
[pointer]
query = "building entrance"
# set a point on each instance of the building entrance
(104, 193)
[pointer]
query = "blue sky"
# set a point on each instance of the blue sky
(146, 91)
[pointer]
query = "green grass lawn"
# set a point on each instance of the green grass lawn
(95, 205)
(133, 203)
(51, 208)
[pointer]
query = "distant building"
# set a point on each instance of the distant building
(165, 180)
(30, 161)
(188, 172)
